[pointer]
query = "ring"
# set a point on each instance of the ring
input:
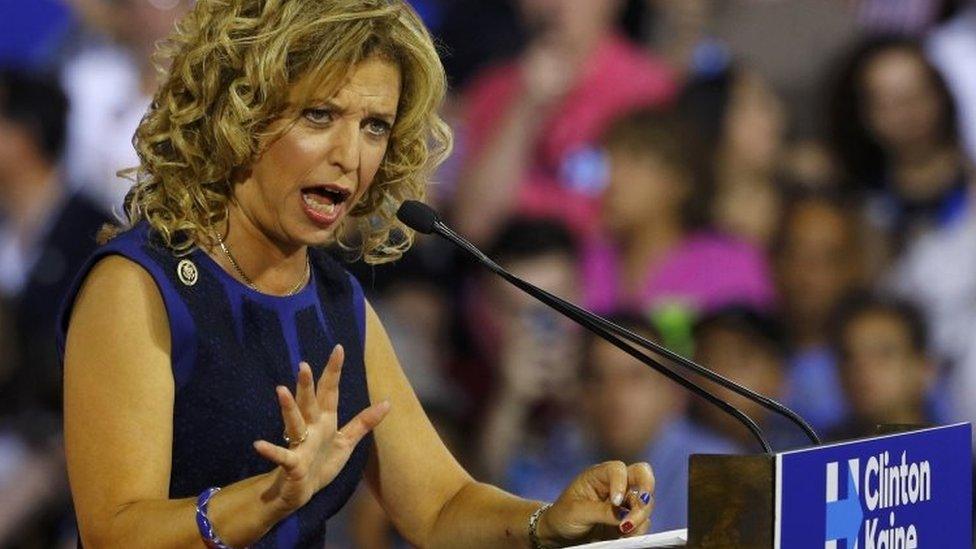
(295, 442)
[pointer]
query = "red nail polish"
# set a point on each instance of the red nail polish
(626, 527)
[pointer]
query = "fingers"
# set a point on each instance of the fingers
(613, 475)
(636, 514)
(592, 512)
(292, 416)
(278, 455)
(305, 393)
(630, 490)
(327, 392)
(641, 477)
(364, 422)
(640, 499)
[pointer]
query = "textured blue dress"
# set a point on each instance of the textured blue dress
(231, 346)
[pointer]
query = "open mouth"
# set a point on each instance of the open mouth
(324, 199)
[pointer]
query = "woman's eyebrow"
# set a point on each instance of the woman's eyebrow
(385, 114)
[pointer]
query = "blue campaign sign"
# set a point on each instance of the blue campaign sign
(898, 491)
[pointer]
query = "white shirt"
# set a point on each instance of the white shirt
(106, 106)
(952, 48)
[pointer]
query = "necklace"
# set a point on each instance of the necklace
(244, 277)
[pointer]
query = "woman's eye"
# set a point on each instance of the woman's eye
(318, 116)
(377, 128)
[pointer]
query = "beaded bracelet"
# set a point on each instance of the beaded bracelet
(210, 537)
(534, 527)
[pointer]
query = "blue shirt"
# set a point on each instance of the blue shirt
(544, 474)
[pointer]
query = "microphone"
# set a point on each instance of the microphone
(421, 218)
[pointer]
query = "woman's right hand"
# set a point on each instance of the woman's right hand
(308, 466)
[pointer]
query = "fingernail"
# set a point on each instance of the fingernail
(626, 527)
(645, 497)
(385, 404)
(622, 513)
(618, 499)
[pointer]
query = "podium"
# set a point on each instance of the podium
(893, 491)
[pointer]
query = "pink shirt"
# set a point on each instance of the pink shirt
(567, 175)
(704, 272)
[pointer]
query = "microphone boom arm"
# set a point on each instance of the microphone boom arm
(605, 329)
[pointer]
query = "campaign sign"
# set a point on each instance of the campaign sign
(897, 491)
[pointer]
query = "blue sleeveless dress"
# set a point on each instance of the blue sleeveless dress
(231, 346)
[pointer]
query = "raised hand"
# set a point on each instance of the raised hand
(318, 450)
(548, 73)
(606, 501)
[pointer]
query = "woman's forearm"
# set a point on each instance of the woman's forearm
(240, 513)
(481, 515)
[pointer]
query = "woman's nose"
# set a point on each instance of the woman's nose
(344, 146)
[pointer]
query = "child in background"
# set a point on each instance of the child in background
(656, 252)
(531, 351)
(885, 369)
(747, 347)
(626, 412)
(819, 260)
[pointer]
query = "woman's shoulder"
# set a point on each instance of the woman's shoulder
(114, 283)
(119, 275)
(115, 280)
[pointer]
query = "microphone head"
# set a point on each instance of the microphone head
(418, 216)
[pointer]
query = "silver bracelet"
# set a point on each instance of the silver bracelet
(534, 527)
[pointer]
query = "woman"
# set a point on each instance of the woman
(282, 125)
(742, 124)
(894, 129)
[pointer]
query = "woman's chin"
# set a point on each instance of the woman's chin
(317, 237)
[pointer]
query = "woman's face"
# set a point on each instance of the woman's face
(309, 178)
(902, 105)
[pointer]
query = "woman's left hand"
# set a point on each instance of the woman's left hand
(606, 501)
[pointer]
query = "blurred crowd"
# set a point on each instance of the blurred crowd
(783, 190)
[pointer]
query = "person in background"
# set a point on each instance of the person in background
(696, 36)
(677, 30)
(818, 255)
(886, 371)
(742, 124)
(657, 251)
(616, 386)
(952, 47)
(893, 127)
(531, 125)
(413, 298)
(747, 347)
(534, 348)
(46, 232)
(110, 83)
(895, 131)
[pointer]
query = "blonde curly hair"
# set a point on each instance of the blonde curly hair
(232, 64)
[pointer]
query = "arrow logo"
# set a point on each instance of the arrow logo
(844, 516)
